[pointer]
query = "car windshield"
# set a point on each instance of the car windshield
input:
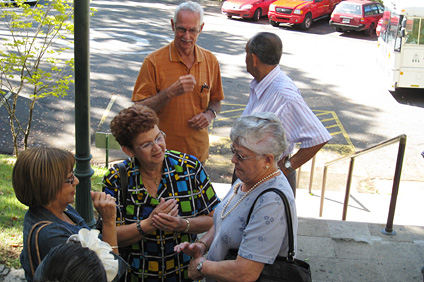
(348, 8)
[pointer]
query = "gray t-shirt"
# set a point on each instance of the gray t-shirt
(266, 235)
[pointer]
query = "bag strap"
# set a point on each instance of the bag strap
(124, 183)
(43, 224)
(291, 252)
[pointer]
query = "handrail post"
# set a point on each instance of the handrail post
(298, 171)
(107, 150)
(348, 185)
(311, 177)
(324, 180)
(388, 230)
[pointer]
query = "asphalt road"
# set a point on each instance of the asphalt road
(336, 73)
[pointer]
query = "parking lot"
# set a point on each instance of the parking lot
(336, 73)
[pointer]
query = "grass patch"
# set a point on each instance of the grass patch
(12, 212)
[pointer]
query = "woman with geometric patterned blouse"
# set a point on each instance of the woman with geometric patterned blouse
(169, 199)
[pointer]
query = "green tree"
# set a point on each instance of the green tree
(31, 67)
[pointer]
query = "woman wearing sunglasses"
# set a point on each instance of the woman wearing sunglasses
(43, 180)
(168, 198)
(258, 143)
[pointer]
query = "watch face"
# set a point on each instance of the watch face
(287, 164)
(199, 266)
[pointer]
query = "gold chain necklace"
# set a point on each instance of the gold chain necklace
(244, 196)
(155, 180)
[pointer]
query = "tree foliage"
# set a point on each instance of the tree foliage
(31, 67)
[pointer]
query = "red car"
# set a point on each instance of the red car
(300, 12)
(250, 9)
(357, 15)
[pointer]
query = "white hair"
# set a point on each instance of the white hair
(261, 133)
(189, 6)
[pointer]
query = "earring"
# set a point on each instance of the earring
(266, 167)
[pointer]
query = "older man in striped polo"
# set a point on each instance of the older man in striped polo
(273, 91)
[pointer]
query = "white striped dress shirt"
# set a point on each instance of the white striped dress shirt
(277, 93)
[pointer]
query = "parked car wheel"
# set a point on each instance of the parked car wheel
(257, 15)
(274, 23)
(307, 22)
(229, 17)
(339, 29)
(370, 30)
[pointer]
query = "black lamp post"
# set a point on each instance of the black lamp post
(82, 109)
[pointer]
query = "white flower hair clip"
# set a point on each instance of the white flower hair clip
(90, 239)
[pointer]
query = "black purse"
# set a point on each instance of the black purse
(284, 269)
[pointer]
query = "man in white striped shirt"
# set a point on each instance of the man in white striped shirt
(273, 91)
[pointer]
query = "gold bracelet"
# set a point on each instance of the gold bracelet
(114, 247)
(201, 242)
(188, 225)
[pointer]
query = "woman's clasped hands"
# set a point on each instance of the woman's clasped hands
(165, 216)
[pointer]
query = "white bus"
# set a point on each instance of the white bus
(401, 44)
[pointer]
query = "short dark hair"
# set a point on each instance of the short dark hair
(267, 46)
(70, 262)
(39, 174)
(132, 121)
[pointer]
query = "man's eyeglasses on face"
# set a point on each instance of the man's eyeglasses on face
(239, 157)
(183, 30)
(71, 179)
(159, 140)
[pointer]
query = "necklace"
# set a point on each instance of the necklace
(244, 196)
(155, 180)
(72, 222)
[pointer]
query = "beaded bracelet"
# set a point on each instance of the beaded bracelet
(201, 242)
(140, 230)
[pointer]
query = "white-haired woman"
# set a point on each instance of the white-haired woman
(258, 143)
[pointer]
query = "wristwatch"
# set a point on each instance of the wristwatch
(288, 166)
(199, 266)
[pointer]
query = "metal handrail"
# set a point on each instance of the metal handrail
(388, 230)
(311, 174)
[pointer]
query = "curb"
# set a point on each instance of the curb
(12, 274)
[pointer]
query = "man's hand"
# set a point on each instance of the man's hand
(183, 85)
(201, 120)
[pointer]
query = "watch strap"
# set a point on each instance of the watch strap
(200, 266)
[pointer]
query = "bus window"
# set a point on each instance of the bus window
(414, 35)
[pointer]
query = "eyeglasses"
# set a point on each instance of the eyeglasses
(159, 140)
(182, 30)
(239, 157)
(71, 179)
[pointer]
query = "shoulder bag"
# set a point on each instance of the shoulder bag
(42, 224)
(123, 174)
(284, 269)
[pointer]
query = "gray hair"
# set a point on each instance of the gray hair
(267, 46)
(261, 133)
(189, 6)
